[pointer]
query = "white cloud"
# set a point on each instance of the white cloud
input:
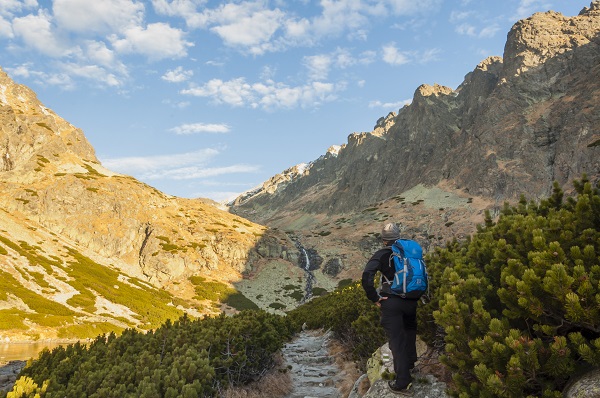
(389, 105)
(528, 7)
(100, 16)
(177, 7)
(97, 52)
(244, 26)
(489, 31)
(158, 41)
(92, 72)
(5, 28)
(318, 66)
(470, 30)
(428, 56)
(147, 165)
(177, 75)
(466, 29)
(457, 16)
(37, 33)
(394, 56)
(195, 128)
(194, 172)
(62, 80)
(411, 7)
(257, 27)
(10, 7)
(266, 95)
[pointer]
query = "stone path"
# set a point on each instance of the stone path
(314, 373)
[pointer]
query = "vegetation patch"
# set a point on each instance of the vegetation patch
(31, 254)
(12, 319)
(211, 290)
(88, 330)
(150, 304)
(240, 302)
(277, 306)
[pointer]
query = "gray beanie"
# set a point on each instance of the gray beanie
(390, 232)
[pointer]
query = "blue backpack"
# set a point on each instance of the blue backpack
(410, 276)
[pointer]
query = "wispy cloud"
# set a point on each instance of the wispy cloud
(104, 16)
(149, 164)
(472, 31)
(177, 75)
(182, 166)
(394, 56)
(389, 105)
(527, 7)
(196, 128)
(197, 172)
(265, 95)
(320, 65)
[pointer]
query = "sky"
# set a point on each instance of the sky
(209, 99)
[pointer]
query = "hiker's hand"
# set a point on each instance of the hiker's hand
(378, 303)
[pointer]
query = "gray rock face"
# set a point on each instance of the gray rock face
(585, 386)
(513, 126)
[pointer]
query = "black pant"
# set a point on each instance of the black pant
(399, 319)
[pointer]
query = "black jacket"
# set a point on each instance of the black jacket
(380, 261)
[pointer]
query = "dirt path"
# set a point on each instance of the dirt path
(313, 371)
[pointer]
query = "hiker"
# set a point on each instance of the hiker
(398, 315)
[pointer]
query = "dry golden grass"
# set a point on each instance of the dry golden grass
(275, 384)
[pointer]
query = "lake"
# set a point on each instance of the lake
(24, 351)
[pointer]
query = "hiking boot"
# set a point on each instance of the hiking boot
(405, 391)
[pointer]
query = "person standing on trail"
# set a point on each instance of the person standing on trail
(398, 315)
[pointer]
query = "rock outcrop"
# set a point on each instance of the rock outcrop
(586, 385)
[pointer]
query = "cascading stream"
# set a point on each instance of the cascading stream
(309, 275)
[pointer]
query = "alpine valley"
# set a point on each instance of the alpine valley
(85, 251)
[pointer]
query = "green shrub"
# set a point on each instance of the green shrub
(240, 302)
(184, 358)
(518, 304)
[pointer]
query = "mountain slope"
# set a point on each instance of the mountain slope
(81, 245)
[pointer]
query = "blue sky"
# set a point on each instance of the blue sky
(211, 98)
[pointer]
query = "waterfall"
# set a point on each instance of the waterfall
(309, 275)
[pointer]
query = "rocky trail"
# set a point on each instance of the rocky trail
(313, 371)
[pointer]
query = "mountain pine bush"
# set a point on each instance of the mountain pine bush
(518, 304)
(186, 358)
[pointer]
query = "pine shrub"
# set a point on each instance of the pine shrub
(187, 358)
(517, 305)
